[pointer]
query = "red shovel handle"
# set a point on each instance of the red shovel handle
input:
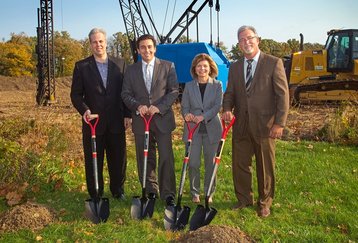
(223, 138)
(190, 137)
(92, 121)
(89, 119)
(147, 122)
(227, 128)
(191, 130)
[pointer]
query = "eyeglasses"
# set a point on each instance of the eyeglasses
(248, 39)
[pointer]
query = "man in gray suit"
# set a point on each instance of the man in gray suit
(257, 92)
(150, 88)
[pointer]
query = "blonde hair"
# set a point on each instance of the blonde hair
(204, 57)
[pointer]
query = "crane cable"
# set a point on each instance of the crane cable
(217, 8)
(151, 13)
(211, 4)
(165, 18)
(171, 22)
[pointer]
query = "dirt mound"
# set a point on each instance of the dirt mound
(30, 216)
(215, 234)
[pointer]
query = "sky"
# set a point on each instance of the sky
(279, 20)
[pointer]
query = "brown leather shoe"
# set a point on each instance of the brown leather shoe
(264, 212)
(240, 205)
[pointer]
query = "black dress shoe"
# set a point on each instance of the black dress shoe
(170, 201)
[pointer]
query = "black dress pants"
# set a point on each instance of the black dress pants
(114, 146)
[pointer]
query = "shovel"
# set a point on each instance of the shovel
(96, 209)
(143, 207)
(176, 217)
(204, 215)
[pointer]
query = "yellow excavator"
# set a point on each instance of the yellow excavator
(330, 74)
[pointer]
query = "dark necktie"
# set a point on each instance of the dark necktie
(248, 74)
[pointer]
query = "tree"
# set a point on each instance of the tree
(15, 60)
(294, 45)
(28, 42)
(119, 46)
(314, 46)
(235, 53)
(86, 47)
(22, 39)
(268, 46)
(67, 51)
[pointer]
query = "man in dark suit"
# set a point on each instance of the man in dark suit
(96, 88)
(150, 88)
(257, 92)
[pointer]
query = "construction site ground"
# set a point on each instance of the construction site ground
(17, 98)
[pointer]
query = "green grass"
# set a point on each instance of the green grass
(315, 201)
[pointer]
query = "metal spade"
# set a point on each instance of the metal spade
(204, 215)
(177, 217)
(143, 207)
(96, 209)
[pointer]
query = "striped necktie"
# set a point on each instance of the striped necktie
(249, 74)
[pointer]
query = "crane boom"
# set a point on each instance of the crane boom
(135, 13)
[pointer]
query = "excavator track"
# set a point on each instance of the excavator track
(326, 91)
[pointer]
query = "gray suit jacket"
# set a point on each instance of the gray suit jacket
(164, 92)
(209, 107)
(267, 101)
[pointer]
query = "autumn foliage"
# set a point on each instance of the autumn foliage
(15, 60)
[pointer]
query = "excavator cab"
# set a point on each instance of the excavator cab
(342, 50)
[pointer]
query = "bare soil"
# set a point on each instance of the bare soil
(17, 98)
(215, 234)
(31, 216)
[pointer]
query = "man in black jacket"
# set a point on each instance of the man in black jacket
(96, 89)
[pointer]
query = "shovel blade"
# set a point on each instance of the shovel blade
(149, 208)
(182, 218)
(176, 218)
(142, 208)
(198, 218)
(201, 217)
(209, 216)
(97, 210)
(136, 208)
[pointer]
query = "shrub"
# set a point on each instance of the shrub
(32, 152)
(15, 165)
(343, 128)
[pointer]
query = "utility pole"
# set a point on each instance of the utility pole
(45, 94)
